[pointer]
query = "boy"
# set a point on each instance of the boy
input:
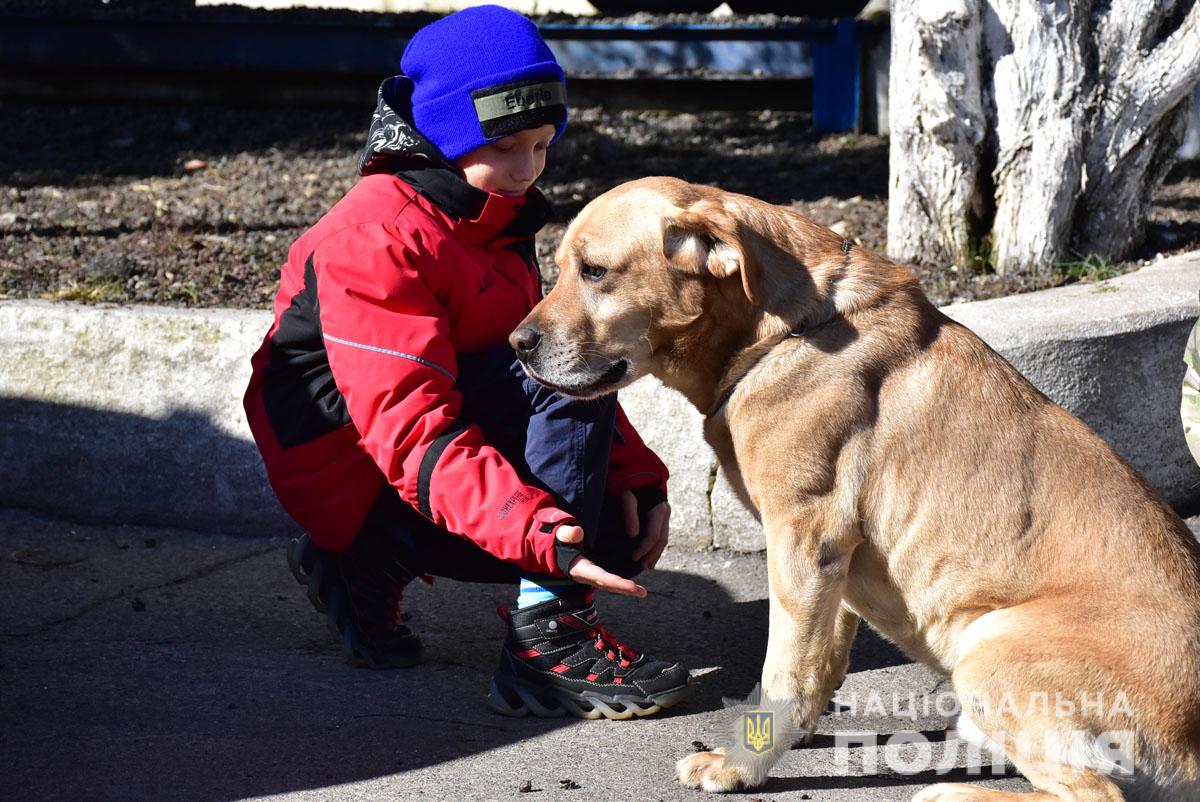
(397, 427)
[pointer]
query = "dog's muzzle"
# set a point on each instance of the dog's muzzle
(561, 369)
(583, 389)
(615, 373)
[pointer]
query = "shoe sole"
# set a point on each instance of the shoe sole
(512, 697)
(360, 658)
(310, 572)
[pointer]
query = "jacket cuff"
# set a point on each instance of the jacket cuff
(564, 555)
(648, 497)
(555, 556)
(634, 481)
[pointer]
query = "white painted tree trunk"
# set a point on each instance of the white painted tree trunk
(937, 127)
(1040, 128)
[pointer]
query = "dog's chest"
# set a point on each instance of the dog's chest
(873, 595)
(720, 439)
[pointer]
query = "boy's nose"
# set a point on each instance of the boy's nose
(525, 341)
(524, 171)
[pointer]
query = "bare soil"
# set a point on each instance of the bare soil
(197, 205)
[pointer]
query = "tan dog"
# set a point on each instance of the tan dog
(904, 473)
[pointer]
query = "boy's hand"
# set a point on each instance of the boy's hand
(658, 528)
(587, 572)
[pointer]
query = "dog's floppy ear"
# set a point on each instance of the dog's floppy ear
(705, 239)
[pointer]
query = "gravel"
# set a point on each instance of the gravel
(752, 14)
(197, 205)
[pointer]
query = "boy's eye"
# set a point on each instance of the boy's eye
(592, 271)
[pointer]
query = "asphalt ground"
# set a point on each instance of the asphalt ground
(150, 664)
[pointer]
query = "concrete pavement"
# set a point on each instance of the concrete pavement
(162, 664)
(153, 664)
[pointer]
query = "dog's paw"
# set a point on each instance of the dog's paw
(949, 792)
(709, 771)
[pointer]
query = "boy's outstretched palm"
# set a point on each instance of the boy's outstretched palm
(585, 571)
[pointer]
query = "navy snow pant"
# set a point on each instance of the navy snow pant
(556, 443)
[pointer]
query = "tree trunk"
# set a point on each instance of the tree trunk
(937, 125)
(1142, 103)
(1028, 131)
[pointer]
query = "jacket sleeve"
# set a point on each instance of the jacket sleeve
(387, 340)
(631, 464)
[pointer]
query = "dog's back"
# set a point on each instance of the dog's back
(982, 494)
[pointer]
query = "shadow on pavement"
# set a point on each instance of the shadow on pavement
(158, 664)
(887, 779)
(102, 465)
(145, 663)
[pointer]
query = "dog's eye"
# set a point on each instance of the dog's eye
(592, 271)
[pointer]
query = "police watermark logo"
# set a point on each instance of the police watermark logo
(762, 729)
(757, 734)
(966, 748)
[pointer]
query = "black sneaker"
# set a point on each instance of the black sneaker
(359, 591)
(557, 659)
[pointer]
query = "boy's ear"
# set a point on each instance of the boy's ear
(705, 239)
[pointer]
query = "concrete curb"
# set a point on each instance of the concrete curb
(1113, 355)
(134, 413)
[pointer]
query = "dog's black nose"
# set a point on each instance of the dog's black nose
(525, 341)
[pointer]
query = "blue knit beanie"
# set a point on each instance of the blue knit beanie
(481, 74)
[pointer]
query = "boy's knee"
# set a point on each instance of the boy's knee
(624, 567)
(614, 550)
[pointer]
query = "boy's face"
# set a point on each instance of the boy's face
(508, 166)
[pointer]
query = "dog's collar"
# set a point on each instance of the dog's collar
(799, 330)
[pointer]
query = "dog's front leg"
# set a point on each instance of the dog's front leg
(808, 645)
(807, 575)
(844, 631)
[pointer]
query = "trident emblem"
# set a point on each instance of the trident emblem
(758, 735)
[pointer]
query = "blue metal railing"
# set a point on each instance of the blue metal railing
(259, 45)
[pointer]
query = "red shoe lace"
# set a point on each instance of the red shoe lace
(395, 593)
(395, 617)
(605, 642)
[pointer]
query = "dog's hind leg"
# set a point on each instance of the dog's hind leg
(1085, 786)
(1029, 695)
(1055, 783)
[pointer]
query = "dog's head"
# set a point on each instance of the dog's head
(638, 266)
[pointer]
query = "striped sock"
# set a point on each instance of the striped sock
(542, 590)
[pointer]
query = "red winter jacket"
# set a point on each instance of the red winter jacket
(354, 385)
